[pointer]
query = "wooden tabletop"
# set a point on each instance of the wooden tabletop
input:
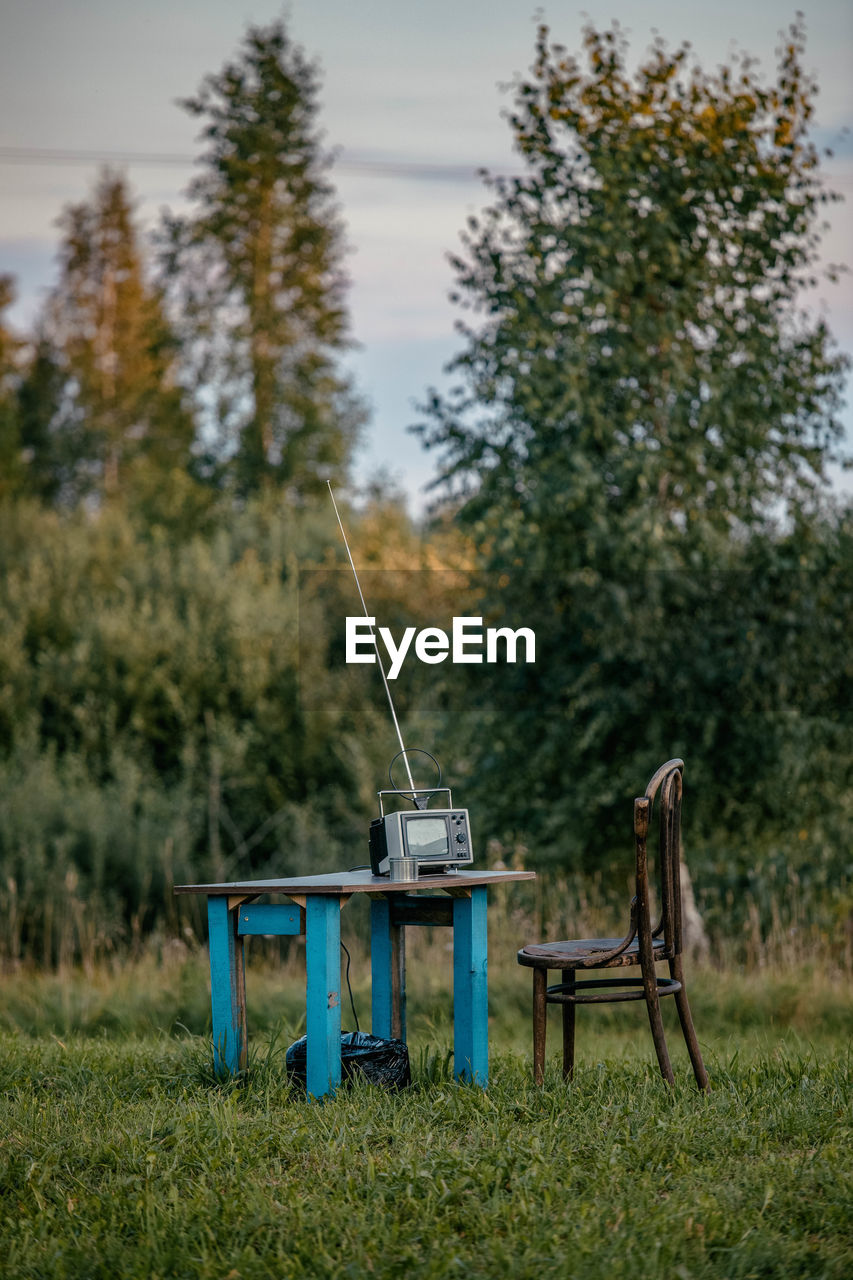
(338, 883)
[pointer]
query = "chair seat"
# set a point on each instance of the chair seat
(584, 953)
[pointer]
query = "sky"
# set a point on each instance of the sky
(412, 99)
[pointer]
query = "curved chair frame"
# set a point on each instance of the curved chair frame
(644, 945)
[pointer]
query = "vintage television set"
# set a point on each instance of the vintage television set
(436, 839)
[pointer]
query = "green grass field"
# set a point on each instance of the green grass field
(122, 1156)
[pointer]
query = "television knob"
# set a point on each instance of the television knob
(460, 838)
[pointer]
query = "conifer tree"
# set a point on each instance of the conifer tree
(121, 411)
(11, 461)
(255, 270)
(37, 458)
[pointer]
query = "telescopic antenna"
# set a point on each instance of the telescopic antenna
(375, 644)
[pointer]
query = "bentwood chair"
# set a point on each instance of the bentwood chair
(643, 946)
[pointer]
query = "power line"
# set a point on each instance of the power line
(55, 155)
(348, 161)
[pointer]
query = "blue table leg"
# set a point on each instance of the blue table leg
(323, 1002)
(387, 972)
(227, 988)
(380, 967)
(470, 988)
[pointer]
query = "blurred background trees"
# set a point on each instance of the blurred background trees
(644, 376)
(632, 462)
(638, 439)
(10, 440)
(120, 406)
(256, 273)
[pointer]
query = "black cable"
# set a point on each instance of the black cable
(349, 988)
(365, 866)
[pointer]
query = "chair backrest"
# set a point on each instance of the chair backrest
(666, 781)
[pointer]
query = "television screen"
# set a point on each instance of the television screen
(426, 837)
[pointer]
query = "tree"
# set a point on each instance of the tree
(11, 462)
(35, 460)
(642, 370)
(53, 456)
(121, 411)
(256, 272)
(639, 398)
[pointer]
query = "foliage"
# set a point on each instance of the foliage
(642, 375)
(100, 407)
(110, 398)
(10, 444)
(256, 272)
(637, 441)
(743, 670)
(149, 696)
(182, 710)
(641, 401)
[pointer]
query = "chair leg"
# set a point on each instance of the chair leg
(540, 1010)
(676, 970)
(650, 987)
(569, 1031)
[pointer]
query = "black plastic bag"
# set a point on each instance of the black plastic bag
(382, 1062)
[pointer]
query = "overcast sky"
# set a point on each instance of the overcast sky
(403, 84)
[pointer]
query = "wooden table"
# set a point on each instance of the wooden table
(456, 899)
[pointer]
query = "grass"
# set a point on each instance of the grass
(122, 1156)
